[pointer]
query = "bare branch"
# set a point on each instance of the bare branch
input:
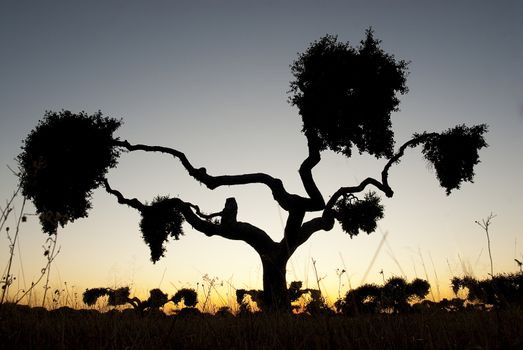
(306, 174)
(133, 203)
(359, 188)
(284, 198)
(307, 229)
(202, 215)
(228, 227)
(383, 186)
(415, 141)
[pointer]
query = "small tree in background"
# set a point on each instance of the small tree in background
(396, 295)
(189, 297)
(345, 96)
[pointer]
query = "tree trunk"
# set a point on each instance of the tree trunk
(275, 293)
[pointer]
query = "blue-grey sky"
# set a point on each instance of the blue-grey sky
(210, 78)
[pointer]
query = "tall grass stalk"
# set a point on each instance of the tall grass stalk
(426, 273)
(374, 257)
(484, 224)
(318, 279)
(50, 252)
(436, 279)
(7, 278)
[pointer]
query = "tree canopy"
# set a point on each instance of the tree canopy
(345, 95)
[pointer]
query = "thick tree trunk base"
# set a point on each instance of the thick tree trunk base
(275, 293)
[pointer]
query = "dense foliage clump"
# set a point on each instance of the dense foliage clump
(454, 153)
(345, 95)
(64, 159)
(160, 220)
(355, 214)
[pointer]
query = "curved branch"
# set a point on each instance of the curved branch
(415, 141)
(306, 174)
(133, 203)
(359, 188)
(384, 184)
(229, 228)
(203, 215)
(284, 198)
(324, 222)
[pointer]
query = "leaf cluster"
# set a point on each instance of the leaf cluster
(63, 160)
(160, 220)
(454, 153)
(355, 214)
(346, 95)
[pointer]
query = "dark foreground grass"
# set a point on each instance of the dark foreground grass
(24, 328)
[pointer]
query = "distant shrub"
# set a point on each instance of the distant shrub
(121, 296)
(499, 291)
(315, 305)
(395, 296)
(189, 297)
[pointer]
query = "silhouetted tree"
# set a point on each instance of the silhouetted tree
(397, 294)
(345, 96)
(363, 300)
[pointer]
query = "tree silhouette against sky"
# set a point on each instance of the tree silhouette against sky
(345, 96)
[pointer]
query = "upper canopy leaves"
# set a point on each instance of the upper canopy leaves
(345, 95)
(454, 153)
(63, 160)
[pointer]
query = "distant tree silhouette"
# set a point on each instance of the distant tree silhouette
(499, 290)
(396, 295)
(345, 96)
(121, 296)
(116, 297)
(189, 297)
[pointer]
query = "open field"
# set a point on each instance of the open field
(25, 328)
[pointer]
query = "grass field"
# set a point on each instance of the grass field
(22, 327)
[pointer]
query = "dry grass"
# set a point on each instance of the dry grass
(25, 328)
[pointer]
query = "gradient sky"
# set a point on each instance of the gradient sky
(210, 78)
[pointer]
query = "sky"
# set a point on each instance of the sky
(210, 78)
